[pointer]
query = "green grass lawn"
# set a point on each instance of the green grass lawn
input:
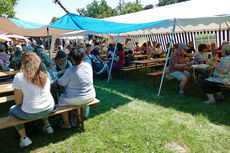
(131, 119)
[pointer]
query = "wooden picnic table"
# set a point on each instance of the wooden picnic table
(8, 73)
(146, 62)
(149, 61)
(137, 53)
(141, 56)
(103, 56)
(6, 88)
(189, 54)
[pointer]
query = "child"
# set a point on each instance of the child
(128, 58)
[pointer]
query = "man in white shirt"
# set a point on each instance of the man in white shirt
(128, 44)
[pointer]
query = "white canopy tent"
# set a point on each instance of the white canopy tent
(3, 38)
(18, 38)
(194, 15)
(190, 16)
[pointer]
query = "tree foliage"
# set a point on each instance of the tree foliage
(131, 8)
(102, 10)
(97, 10)
(54, 19)
(168, 2)
(7, 8)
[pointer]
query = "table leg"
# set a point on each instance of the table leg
(136, 74)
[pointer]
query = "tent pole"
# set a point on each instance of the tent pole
(48, 41)
(84, 43)
(162, 78)
(111, 66)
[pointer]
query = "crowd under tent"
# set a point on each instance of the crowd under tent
(189, 16)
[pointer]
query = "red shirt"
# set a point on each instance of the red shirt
(121, 61)
(137, 49)
(219, 52)
(176, 59)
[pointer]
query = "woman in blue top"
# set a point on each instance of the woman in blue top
(78, 84)
(60, 64)
(202, 48)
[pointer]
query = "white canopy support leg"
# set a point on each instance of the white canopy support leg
(85, 36)
(111, 66)
(163, 75)
(48, 42)
(52, 47)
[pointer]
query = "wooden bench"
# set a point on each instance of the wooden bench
(224, 87)
(10, 121)
(139, 66)
(160, 73)
(156, 73)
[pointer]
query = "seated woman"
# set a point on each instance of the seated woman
(32, 95)
(202, 48)
(144, 49)
(78, 83)
(149, 48)
(158, 51)
(110, 51)
(129, 58)
(43, 56)
(221, 76)
(119, 60)
(99, 66)
(60, 64)
(16, 61)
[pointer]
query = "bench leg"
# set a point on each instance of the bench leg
(82, 119)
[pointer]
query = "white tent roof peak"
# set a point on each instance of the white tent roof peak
(188, 9)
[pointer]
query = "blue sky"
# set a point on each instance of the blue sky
(42, 11)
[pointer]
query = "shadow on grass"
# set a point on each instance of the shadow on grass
(192, 103)
(9, 138)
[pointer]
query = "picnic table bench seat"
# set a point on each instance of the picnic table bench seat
(156, 73)
(140, 66)
(10, 121)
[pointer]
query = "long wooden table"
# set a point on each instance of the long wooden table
(146, 62)
(141, 56)
(189, 54)
(149, 61)
(6, 88)
(8, 73)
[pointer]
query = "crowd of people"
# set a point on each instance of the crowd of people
(218, 58)
(36, 85)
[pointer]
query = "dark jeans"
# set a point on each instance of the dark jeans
(203, 74)
(209, 87)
